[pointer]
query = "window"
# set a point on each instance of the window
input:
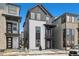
(47, 18)
(9, 42)
(70, 37)
(67, 31)
(38, 16)
(12, 9)
(68, 18)
(73, 34)
(73, 19)
(32, 15)
(64, 37)
(63, 19)
(14, 27)
(38, 36)
(9, 27)
(48, 33)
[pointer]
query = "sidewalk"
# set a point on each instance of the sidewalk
(32, 52)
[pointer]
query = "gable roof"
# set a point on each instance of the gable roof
(67, 13)
(43, 9)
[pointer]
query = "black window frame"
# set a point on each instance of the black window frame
(7, 27)
(38, 36)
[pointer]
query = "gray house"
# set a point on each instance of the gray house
(9, 26)
(67, 30)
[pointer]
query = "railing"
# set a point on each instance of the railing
(48, 36)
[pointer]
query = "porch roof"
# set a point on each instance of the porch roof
(50, 25)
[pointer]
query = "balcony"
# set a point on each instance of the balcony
(48, 36)
(11, 34)
(12, 17)
(48, 31)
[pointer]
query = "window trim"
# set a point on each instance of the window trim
(48, 18)
(34, 15)
(37, 16)
(11, 27)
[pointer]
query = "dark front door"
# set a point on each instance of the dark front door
(9, 42)
(48, 44)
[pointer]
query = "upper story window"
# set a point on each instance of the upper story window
(12, 9)
(73, 19)
(32, 15)
(11, 27)
(14, 26)
(47, 18)
(70, 19)
(38, 16)
(63, 19)
(1, 6)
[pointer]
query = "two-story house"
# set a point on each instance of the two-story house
(9, 26)
(38, 28)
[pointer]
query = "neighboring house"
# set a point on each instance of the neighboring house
(38, 28)
(66, 31)
(9, 26)
(22, 39)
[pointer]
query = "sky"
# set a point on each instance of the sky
(56, 9)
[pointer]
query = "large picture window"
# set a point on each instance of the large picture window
(38, 30)
(38, 16)
(11, 27)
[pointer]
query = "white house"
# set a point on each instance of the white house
(38, 28)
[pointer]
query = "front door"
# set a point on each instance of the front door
(9, 42)
(15, 42)
(48, 44)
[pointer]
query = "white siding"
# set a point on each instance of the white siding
(32, 38)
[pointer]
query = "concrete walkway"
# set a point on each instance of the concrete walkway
(32, 52)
